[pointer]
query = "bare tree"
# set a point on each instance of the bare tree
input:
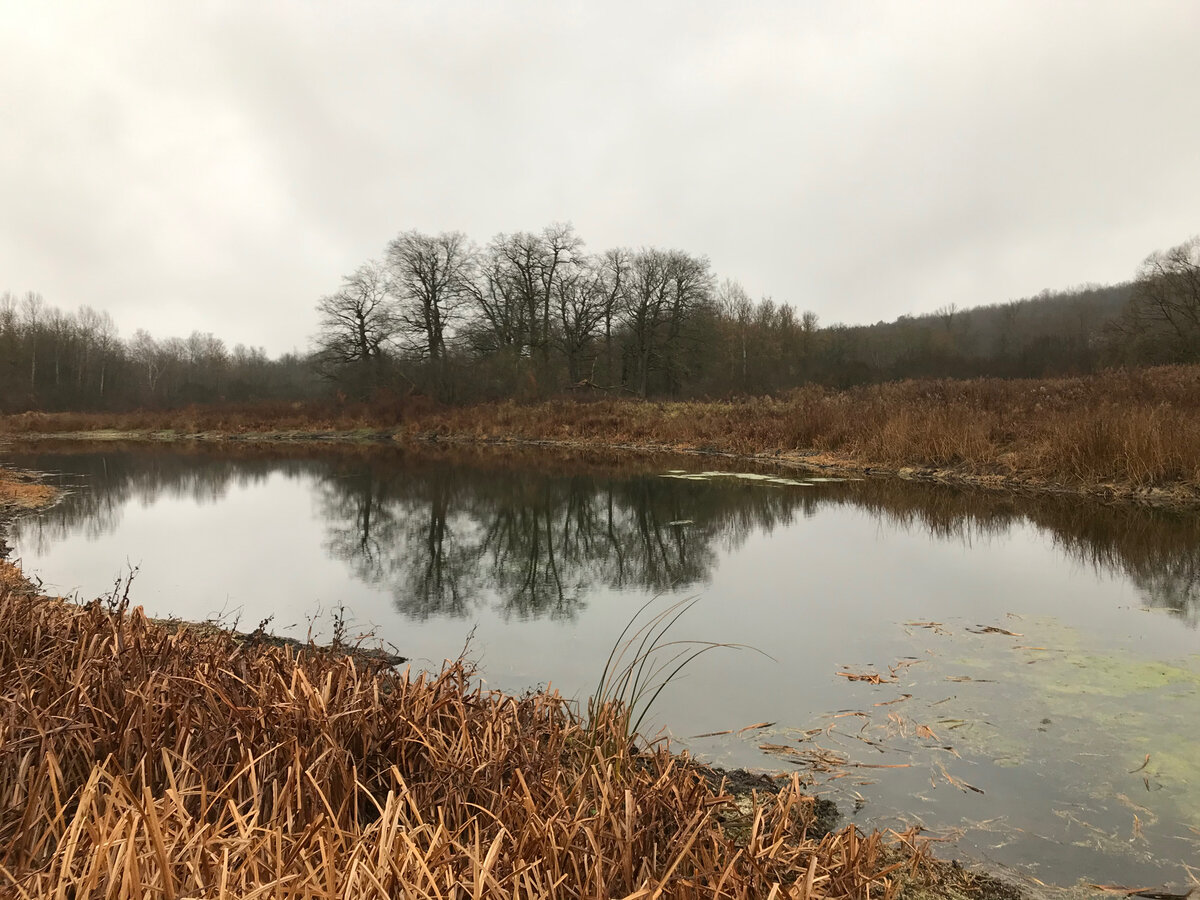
(98, 341)
(32, 311)
(664, 289)
(946, 314)
(643, 311)
(561, 254)
(530, 267)
(357, 324)
(10, 340)
(150, 358)
(1165, 305)
(736, 307)
(614, 273)
(515, 262)
(582, 302)
(431, 280)
(691, 289)
(502, 316)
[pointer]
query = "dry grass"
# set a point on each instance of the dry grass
(1133, 429)
(1137, 428)
(141, 761)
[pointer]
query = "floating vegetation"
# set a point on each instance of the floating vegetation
(744, 476)
(869, 677)
(1095, 728)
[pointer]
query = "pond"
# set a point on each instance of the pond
(1019, 676)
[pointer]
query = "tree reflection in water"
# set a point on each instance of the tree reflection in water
(448, 531)
(442, 539)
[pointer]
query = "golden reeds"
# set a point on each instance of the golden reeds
(138, 760)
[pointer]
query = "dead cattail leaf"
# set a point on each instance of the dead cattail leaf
(1118, 889)
(992, 629)
(881, 765)
(958, 782)
(1136, 833)
(1145, 762)
(869, 677)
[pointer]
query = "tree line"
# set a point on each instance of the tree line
(535, 314)
(56, 360)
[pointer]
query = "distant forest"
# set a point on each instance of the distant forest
(533, 315)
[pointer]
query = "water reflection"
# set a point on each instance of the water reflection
(446, 531)
(1157, 550)
(443, 538)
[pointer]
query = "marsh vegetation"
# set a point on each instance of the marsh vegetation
(1129, 434)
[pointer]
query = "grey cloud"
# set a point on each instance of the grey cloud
(220, 166)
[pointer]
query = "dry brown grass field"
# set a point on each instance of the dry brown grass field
(141, 760)
(1124, 431)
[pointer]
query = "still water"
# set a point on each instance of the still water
(1038, 661)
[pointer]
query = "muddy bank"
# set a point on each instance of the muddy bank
(363, 653)
(23, 491)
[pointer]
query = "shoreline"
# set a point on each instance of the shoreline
(1177, 496)
(1121, 436)
(708, 824)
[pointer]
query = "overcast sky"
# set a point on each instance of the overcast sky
(220, 165)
